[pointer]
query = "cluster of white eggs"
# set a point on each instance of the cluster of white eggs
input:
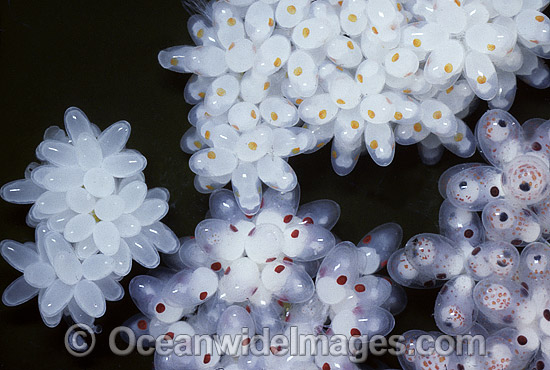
(492, 289)
(278, 270)
(93, 215)
(273, 79)
(512, 193)
(504, 297)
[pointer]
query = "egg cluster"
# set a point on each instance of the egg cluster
(490, 288)
(503, 296)
(277, 270)
(512, 194)
(273, 79)
(93, 215)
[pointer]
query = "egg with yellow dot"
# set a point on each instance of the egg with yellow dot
(438, 118)
(401, 63)
(254, 87)
(221, 95)
(279, 112)
(290, 12)
(345, 92)
(240, 56)
(377, 109)
(259, 22)
(343, 52)
(380, 143)
(318, 109)
(371, 77)
(272, 55)
(444, 62)
(210, 162)
(481, 75)
(311, 34)
(243, 115)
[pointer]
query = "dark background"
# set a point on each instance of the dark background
(101, 56)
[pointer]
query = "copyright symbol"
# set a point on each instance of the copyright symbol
(80, 340)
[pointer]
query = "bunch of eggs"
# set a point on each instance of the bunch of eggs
(503, 296)
(513, 192)
(93, 215)
(513, 195)
(278, 270)
(273, 79)
(492, 289)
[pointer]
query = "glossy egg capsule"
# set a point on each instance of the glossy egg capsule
(462, 226)
(208, 314)
(505, 222)
(430, 150)
(363, 321)
(410, 341)
(240, 280)
(219, 239)
(189, 255)
(537, 138)
(474, 187)
(504, 301)
(379, 244)
(493, 258)
(455, 312)
(449, 173)
(511, 347)
(139, 324)
(343, 159)
(338, 271)
(406, 274)
(500, 137)
(419, 351)
(287, 281)
(329, 361)
(397, 301)
(312, 311)
(305, 241)
(267, 316)
(526, 180)
(462, 143)
(540, 361)
(189, 288)
(205, 355)
(534, 269)
(435, 256)
(542, 210)
(236, 320)
(369, 290)
(323, 212)
(146, 294)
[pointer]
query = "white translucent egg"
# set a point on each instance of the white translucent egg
(272, 55)
(290, 12)
(371, 77)
(401, 63)
(318, 110)
(279, 112)
(344, 52)
(243, 116)
(239, 56)
(377, 109)
(311, 33)
(259, 22)
(345, 92)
